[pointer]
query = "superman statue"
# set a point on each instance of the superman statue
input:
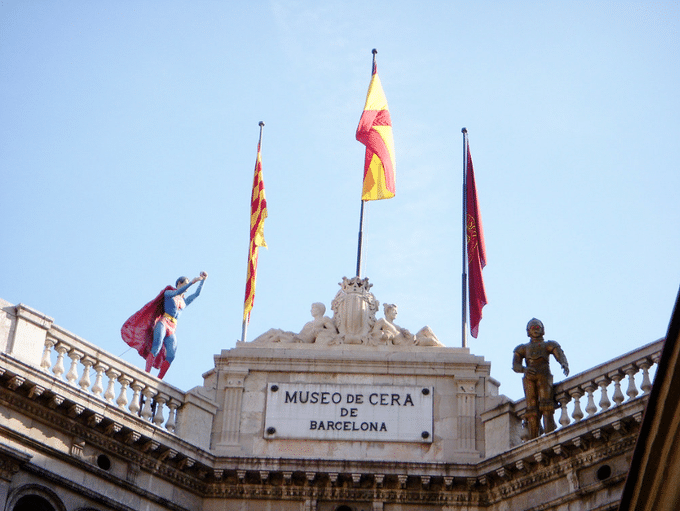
(151, 330)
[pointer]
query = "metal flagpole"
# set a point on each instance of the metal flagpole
(361, 238)
(464, 249)
(361, 215)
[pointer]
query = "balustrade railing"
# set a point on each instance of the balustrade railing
(111, 379)
(634, 370)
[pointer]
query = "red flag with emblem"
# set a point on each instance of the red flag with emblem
(476, 250)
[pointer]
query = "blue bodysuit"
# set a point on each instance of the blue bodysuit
(164, 330)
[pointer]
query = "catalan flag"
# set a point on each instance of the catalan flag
(375, 132)
(476, 250)
(258, 213)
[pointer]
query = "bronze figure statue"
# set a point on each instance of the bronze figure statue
(538, 381)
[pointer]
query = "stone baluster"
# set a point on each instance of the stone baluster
(58, 368)
(110, 393)
(563, 399)
(576, 394)
(603, 382)
(524, 427)
(136, 390)
(524, 432)
(148, 394)
(158, 416)
(122, 400)
(171, 425)
(618, 397)
(72, 375)
(85, 382)
(591, 409)
(632, 390)
(46, 361)
(646, 384)
(98, 386)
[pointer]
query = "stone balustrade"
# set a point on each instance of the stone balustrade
(602, 387)
(110, 379)
(32, 338)
(607, 386)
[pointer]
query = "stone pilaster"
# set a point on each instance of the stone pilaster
(466, 391)
(232, 382)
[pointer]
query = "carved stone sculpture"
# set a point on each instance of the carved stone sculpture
(321, 330)
(426, 337)
(354, 322)
(538, 380)
(275, 335)
(354, 308)
(386, 332)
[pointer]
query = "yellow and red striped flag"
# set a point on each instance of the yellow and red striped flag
(258, 213)
(375, 132)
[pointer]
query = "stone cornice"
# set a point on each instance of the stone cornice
(397, 360)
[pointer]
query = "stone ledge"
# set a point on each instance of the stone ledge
(431, 360)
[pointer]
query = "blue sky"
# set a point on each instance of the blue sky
(128, 135)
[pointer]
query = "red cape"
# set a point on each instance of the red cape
(137, 331)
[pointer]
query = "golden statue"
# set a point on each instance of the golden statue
(538, 380)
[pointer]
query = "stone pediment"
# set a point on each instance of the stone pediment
(354, 322)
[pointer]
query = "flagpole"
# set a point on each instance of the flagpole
(464, 248)
(244, 327)
(361, 214)
(361, 238)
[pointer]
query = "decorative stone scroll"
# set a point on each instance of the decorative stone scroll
(354, 322)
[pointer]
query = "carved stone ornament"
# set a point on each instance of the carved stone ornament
(354, 322)
(354, 308)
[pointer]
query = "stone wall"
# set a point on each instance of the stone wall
(460, 383)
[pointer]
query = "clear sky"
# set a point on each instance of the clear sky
(128, 134)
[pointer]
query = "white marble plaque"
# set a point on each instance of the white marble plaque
(349, 412)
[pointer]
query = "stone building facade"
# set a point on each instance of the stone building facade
(364, 417)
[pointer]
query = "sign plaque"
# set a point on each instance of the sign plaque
(385, 413)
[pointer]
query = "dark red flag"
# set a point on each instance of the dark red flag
(476, 251)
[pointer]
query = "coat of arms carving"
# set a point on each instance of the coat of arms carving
(354, 308)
